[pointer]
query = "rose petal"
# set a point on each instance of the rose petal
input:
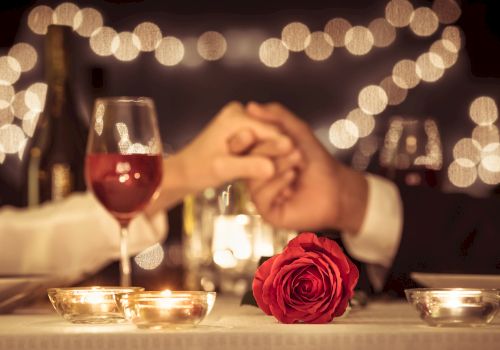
(261, 275)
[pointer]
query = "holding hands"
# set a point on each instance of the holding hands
(293, 180)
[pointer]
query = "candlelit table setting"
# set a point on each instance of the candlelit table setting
(381, 325)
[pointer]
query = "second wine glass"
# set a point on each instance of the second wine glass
(123, 165)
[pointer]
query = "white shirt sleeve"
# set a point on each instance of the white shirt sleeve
(70, 238)
(378, 240)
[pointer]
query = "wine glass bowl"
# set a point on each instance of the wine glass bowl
(411, 153)
(123, 165)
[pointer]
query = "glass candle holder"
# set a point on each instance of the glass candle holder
(91, 305)
(166, 309)
(455, 306)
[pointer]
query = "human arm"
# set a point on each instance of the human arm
(71, 238)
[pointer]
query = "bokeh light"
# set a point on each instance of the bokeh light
(149, 35)
(383, 32)
(398, 12)
(491, 163)
(30, 120)
(337, 29)
(86, 21)
(363, 121)
(170, 51)
(462, 173)
(430, 67)
(101, 39)
(424, 21)
(359, 40)
(395, 94)
(6, 94)
(467, 148)
(39, 19)
(487, 176)
(35, 97)
(150, 258)
(440, 48)
(452, 38)
(483, 110)
(273, 52)
(64, 14)
(404, 74)
(448, 11)
(295, 35)
(372, 99)
(320, 46)
(211, 46)
(125, 46)
(12, 138)
(343, 134)
(10, 70)
(18, 105)
(25, 54)
(486, 134)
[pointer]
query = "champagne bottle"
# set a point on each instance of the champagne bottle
(56, 156)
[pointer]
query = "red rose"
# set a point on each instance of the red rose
(311, 281)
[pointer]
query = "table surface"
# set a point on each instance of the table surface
(230, 326)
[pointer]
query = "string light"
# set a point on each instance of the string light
(10, 70)
(398, 13)
(170, 51)
(295, 36)
(273, 52)
(320, 46)
(101, 41)
(372, 99)
(25, 55)
(125, 46)
(359, 40)
(483, 110)
(382, 31)
(64, 14)
(39, 19)
(86, 21)
(343, 134)
(430, 67)
(404, 74)
(337, 29)
(395, 94)
(424, 22)
(211, 46)
(149, 35)
(448, 11)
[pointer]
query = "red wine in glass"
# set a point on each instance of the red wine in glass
(123, 183)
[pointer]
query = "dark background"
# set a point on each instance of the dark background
(320, 92)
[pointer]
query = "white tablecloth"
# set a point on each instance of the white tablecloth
(379, 326)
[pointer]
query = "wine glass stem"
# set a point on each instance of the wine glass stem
(125, 280)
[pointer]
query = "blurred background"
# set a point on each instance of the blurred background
(408, 89)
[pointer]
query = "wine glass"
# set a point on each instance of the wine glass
(123, 165)
(411, 153)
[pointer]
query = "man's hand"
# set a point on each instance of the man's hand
(322, 194)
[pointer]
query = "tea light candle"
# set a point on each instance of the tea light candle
(469, 307)
(156, 310)
(89, 304)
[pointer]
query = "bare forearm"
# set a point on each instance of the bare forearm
(174, 187)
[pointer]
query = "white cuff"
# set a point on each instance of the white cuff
(378, 240)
